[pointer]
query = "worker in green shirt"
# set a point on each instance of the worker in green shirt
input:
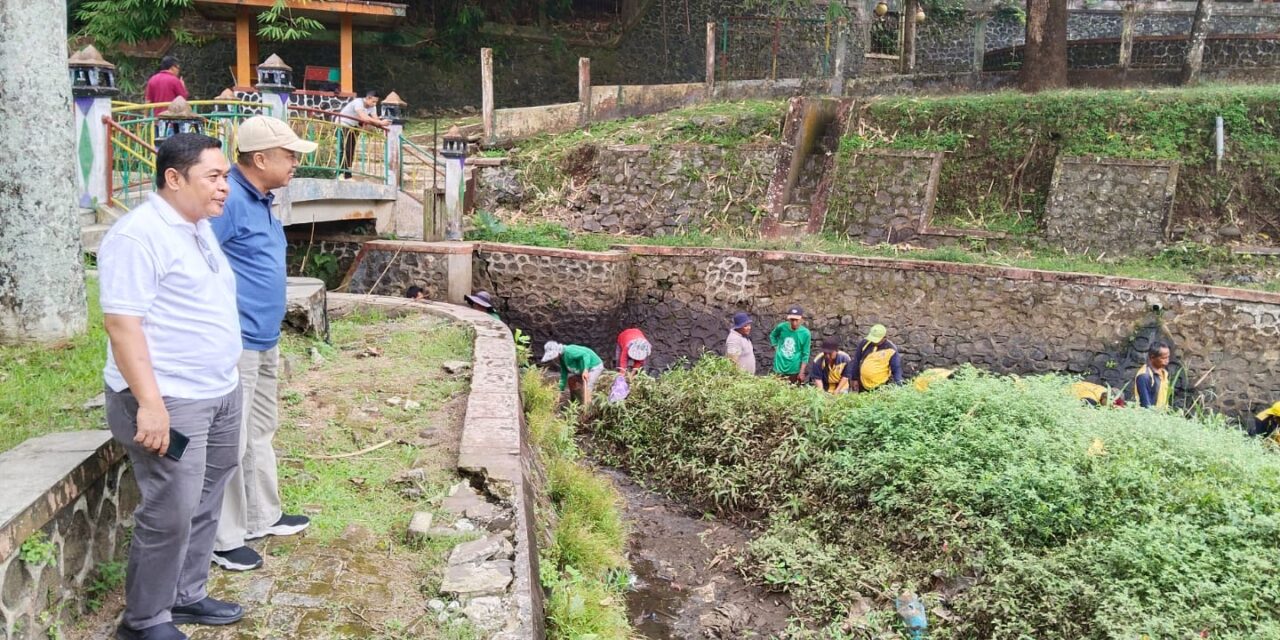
(575, 360)
(791, 344)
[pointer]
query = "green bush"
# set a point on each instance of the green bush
(1017, 511)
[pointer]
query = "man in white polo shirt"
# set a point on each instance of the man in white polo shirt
(173, 398)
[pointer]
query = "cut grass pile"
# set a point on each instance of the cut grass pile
(1017, 512)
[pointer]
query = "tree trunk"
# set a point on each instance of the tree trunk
(1044, 59)
(41, 272)
(1195, 43)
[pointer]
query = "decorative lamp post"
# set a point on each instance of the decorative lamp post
(454, 150)
(178, 118)
(93, 84)
(275, 85)
(91, 75)
(882, 8)
(393, 108)
(919, 15)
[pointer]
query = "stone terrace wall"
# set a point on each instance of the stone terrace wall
(940, 314)
(342, 248)
(77, 489)
(552, 294)
(390, 267)
(661, 189)
(883, 196)
(1118, 206)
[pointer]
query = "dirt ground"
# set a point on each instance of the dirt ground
(687, 586)
(352, 574)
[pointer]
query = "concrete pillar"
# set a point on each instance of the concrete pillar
(455, 182)
(486, 93)
(394, 109)
(584, 88)
(980, 42)
(842, 52)
(711, 60)
(92, 87)
(275, 87)
(42, 283)
(908, 53)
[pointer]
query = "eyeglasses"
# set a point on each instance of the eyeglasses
(208, 253)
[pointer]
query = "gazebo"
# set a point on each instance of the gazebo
(347, 15)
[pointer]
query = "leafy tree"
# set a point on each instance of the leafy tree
(122, 22)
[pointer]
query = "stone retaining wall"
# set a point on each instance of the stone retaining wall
(77, 490)
(1106, 205)
(663, 189)
(556, 294)
(941, 314)
(882, 195)
(390, 267)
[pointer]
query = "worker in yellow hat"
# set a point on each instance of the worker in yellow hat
(1266, 421)
(876, 360)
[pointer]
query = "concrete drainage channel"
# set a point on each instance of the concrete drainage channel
(491, 581)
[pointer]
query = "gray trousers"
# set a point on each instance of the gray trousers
(252, 500)
(175, 523)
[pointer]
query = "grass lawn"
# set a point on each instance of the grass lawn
(43, 387)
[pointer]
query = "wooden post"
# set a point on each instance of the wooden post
(842, 50)
(1128, 16)
(584, 88)
(486, 93)
(346, 42)
(253, 49)
(243, 47)
(907, 57)
(711, 60)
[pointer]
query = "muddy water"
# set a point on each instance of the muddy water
(686, 585)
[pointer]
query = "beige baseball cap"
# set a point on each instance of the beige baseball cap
(261, 132)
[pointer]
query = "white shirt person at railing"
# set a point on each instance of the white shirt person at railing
(359, 112)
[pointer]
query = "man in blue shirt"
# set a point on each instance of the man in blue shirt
(253, 240)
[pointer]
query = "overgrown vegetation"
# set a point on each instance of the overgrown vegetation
(1016, 511)
(1001, 148)
(43, 387)
(38, 550)
(584, 567)
(1182, 262)
(548, 162)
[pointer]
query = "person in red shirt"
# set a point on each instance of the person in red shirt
(632, 350)
(166, 83)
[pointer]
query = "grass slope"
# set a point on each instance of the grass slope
(1016, 511)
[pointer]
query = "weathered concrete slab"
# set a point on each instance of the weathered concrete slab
(42, 475)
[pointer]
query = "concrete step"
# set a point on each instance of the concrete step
(91, 236)
(88, 216)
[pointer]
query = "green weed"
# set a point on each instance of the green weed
(38, 550)
(1003, 499)
(107, 577)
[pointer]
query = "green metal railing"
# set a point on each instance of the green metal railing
(421, 170)
(345, 150)
(131, 166)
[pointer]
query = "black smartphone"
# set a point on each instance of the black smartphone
(177, 445)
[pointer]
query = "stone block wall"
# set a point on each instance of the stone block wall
(663, 189)
(554, 294)
(85, 510)
(940, 314)
(343, 250)
(390, 267)
(1120, 207)
(883, 196)
(945, 46)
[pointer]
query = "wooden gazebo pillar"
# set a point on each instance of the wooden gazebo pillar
(346, 37)
(244, 36)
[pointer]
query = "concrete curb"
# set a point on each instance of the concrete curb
(494, 446)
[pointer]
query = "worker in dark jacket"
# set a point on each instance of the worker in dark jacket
(1151, 384)
(876, 360)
